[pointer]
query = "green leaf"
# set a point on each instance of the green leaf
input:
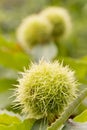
(8, 118)
(6, 85)
(4, 43)
(12, 56)
(82, 117)
(27, 124)
(79, 66)
(71, 125)
(11, 121)
(40, 124)
(14, 60)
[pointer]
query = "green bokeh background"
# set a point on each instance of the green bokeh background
(13, 58)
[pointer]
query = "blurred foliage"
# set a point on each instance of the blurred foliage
(12, 56)
(11, 16)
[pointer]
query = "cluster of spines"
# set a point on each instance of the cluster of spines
(46, 89)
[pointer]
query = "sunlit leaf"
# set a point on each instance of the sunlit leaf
(82, 117)
(11, 121)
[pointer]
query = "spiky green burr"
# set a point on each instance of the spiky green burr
(46, 89)
(60, 21)
(34, 30)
